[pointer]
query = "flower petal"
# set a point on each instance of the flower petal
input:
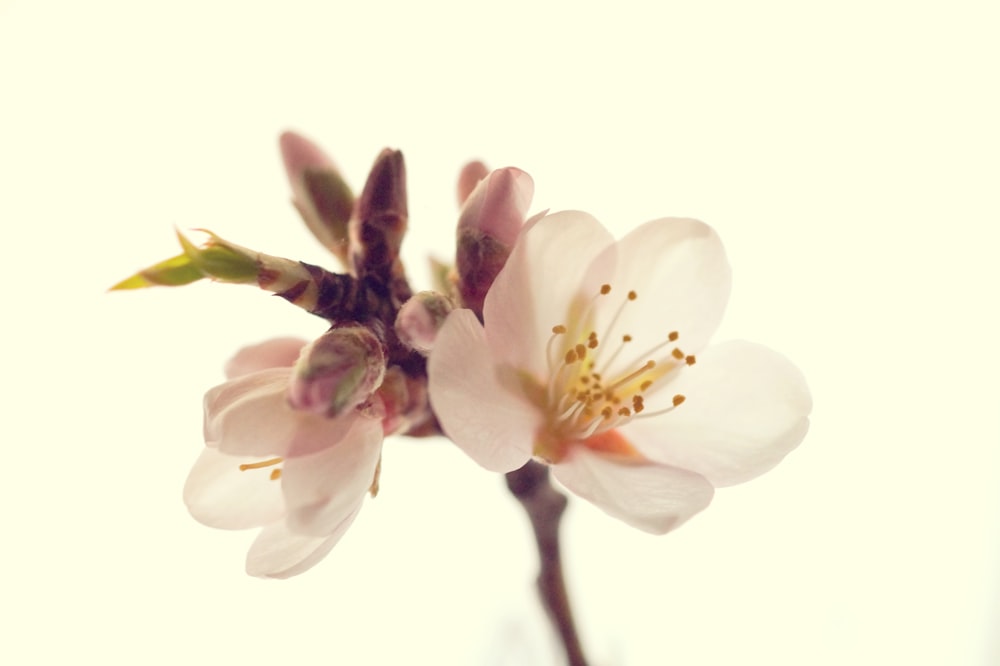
(275, 353)
(250, 416)
(280, 553)
(549, 269)
(679, 271)
(219, 494)
(485, 419)
(746, 407)
(652, 497)
(322, 489)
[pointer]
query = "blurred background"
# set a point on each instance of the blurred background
(846, 152)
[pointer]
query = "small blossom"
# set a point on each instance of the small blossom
(592, 358)
(299, 475)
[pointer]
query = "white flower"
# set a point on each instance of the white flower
(300, 475)
(592, 357)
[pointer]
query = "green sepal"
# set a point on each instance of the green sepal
(221, 260)
(174, 272)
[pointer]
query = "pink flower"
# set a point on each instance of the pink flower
(300, 475)
(592, 357)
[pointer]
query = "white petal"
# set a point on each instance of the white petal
(279, 553)
(679, 271)
(746, 407)
(275, 353)
(485, 419)
(322, 489)
(251, 416)
(549, 268)
(652, 497)
(219, 494)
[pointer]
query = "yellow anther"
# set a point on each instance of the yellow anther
(678, 399)
(257, 465)
(673, 336)
(275, 474)
(605, 289)
(632, 295)
(559, 330)
(677, 353)
(626, 338)
(689, 360)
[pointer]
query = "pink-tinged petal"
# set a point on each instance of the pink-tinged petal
(550, 268)
(276, 353)
(219, 494)
(250, 415)
(279, 553)
(652, 497)
(679, 271)
(485, 419)
(745, 408)
(219, 399)
(322, 489)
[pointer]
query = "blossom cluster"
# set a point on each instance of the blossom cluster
(547, 340)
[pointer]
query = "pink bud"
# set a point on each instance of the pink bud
(319, 192)
(337, 372)
(468, 178)
(488, 226)
(498, 204)
(420, 318)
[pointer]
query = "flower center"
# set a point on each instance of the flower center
(590, 392)
(275, 473)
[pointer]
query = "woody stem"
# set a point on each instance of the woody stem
(545, 506)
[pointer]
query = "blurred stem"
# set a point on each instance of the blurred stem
(545, 505)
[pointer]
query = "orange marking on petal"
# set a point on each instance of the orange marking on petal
(611, 441)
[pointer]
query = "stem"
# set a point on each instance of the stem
(545, 505)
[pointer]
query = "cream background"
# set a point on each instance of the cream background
(847, 152)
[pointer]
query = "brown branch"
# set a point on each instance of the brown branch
(545, 505)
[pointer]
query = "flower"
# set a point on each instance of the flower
(300, 475)
(592, 358)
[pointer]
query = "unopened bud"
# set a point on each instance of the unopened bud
(337, 372)
(420, 318)
(379, 224)
(319, 192)
(468, 178)
(488, 226)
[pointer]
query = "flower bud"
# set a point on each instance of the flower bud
(419, 319)
(488, 226)
(319, 192)
(378, 227)
(468, 178)
(337, 372)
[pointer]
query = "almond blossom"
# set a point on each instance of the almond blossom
(299, 474)
(592, 357)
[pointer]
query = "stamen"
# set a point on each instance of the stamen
(257, 465)
(678, 399)
(605, 289)
(629, 377)
(690, 359)
(677, 353)
(673, 335)
(276, 474)
(632, 295)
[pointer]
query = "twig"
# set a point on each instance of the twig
(545, 505)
